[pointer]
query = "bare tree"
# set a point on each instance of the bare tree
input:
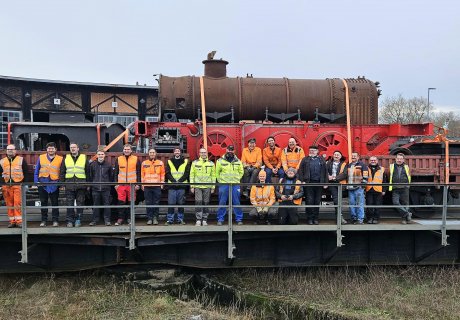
(401, 110)
(451, 120)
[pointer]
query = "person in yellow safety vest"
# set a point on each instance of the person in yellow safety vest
(74, 168)
(204, 171)
(289, 193)
(229, 170)
(13, 169)
(152, 171)
(292, 155)
(177, 173)
(262, 198)
(251, 158)
(127, 171)
(334, 167)
(47, 170)
(374, 191)
(400, 173)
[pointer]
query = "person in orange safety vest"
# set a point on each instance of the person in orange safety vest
(152, 171)
(127, 170)
(13, 169)
(252, 161)
(374, 191)
(262, 198)
(292, 155)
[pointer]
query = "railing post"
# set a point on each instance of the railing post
(24, 253)
(132, 225)
(339, 216)
(230, 245)
(444, 216)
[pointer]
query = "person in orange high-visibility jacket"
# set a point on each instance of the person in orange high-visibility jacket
(13, 169)
(47, 170)
(292, 155)
(374, 190)
(271, 156)
(152, 171)
(127, 170)
(262, 198)
(251, 158)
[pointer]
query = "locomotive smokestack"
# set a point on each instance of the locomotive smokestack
(215, 68)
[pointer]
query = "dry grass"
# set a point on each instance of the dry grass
(95, 296)
(363, 293)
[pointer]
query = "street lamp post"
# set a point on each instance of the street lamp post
(428, 109)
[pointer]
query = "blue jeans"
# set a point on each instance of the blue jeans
(152, 198)
(223, 198)
(270, 173)
(176, 196)
(356, 198)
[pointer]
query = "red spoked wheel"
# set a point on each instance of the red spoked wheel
(217, 144)
(330, 141)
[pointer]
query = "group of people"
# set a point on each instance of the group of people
(299, 176)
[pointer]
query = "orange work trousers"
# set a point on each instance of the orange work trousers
(12, 196)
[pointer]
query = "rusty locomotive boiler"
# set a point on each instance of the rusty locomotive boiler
(277, 99)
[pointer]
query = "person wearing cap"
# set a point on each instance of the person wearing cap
(252, 161)
(292, 155)
(13, 170)
(204, 171)
(312, 170)
(229, 171)
(271, 157)
(290, 194)
(334, 167)
(356, 174)
(262, 198)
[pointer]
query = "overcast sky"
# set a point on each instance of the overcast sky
(408, 46)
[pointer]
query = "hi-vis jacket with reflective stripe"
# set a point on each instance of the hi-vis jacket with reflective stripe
(262, 195)
(291, 158)
(177, 173)
(49, 169)
(252, 158)
(392, 172)
(152, 171)
(127, 170)
(229, 172)
(75, 168)
(12, 170)
(202, 171)
(374, 181)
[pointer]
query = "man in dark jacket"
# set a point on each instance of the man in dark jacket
(374, 189)
(74, 168)
(100, 171)
(334, 167)
(312, 170)
(400, 173)
(177, 172)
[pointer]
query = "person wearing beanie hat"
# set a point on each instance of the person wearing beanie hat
(335, 167)
(289, 193)
(262, 197)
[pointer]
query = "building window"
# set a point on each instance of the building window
(7, 116)
(123, 120)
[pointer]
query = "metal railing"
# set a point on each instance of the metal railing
(133, 229)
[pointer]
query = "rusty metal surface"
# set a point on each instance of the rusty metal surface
(251, 96)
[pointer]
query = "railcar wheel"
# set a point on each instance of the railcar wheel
(330, 141)
(217, 144)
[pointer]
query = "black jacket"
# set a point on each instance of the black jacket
(304, 170)
(100, 172)
(329, 169)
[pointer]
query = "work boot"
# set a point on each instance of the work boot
(375, 221)
(219, 223)
(205, 223)
(155, 221)
(198, 223)
(55, 224)
(11, 225)
(69, 225)
(370, 221)
(149, 222)
(108, 224)
(43, 224)
(92, 223)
